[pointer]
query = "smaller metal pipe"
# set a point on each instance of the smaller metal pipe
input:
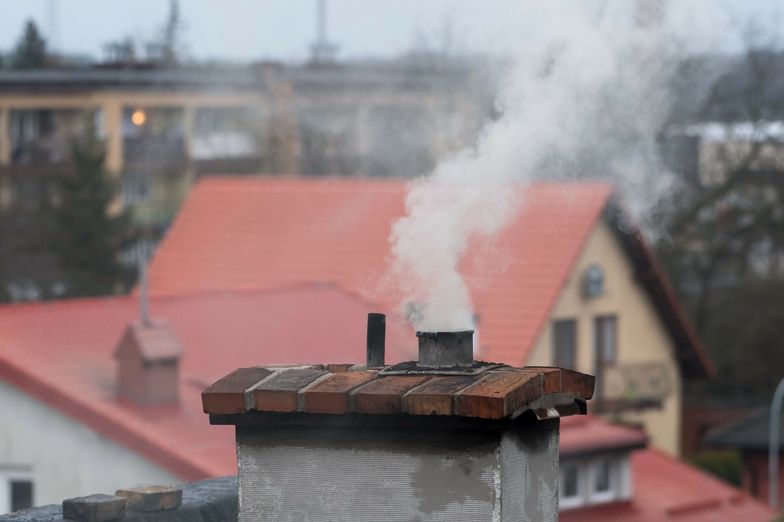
(376, 331)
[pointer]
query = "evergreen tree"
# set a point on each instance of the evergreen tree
(85, 238)
(30, 50)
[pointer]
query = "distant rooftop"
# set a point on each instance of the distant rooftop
(398, 74)
(77, 79)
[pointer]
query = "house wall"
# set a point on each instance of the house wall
(642, 337)
(63, 457)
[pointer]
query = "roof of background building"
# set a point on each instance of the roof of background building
(62, 353)
(85, 79)
(749, 433)
(586, 434)
(663, 488)
(260, 232)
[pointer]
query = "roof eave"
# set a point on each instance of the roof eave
(691, 354)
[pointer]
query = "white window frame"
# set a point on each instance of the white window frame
(587, 467)
(613, 491)
(6, 477)
(578, 499)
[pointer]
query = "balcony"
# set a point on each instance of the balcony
(633, 386)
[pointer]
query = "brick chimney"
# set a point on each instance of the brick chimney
(444, 438)
(148, 356)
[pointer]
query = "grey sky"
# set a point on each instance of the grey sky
(283, 29)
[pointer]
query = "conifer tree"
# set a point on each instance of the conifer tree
(30, 50)
(86, 239)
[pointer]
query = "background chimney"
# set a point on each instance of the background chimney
(148, 359)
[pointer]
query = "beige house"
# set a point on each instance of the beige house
(569, 283)
(619, 336)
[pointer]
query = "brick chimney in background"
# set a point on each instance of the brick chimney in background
(148, 357)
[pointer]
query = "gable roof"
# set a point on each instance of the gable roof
(261, 232)
(663, 488)
(61, 353)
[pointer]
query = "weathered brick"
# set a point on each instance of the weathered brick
(152, 498)
(384, 395)
(227, 395)
(279, 393)
(331, 394)
(498, 394)
(94, 508)
(435, 397)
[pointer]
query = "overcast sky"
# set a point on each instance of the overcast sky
(283, 29)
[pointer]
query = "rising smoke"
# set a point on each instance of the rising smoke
(587, 95)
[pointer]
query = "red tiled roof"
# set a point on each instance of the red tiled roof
(262, 232)
(61, 352)
(663, 487)
(587, 434)
(235, 233)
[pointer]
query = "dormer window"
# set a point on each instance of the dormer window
(589, 481)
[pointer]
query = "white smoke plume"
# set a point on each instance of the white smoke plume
(586, 96)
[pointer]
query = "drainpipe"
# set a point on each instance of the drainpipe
(773, 446)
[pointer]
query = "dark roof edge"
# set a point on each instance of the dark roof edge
(642, 443)
(735, 434)
(692, 356)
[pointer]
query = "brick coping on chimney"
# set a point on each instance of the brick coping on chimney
(267, 395)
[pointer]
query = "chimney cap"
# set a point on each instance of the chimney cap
(318, 392)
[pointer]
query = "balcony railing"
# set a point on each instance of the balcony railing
(633, 386)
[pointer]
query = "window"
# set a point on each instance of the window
(21, 494)
(606, 340)
(565, 343)
(570, 494)
(595, 480)
(602, 481)
(16, 491)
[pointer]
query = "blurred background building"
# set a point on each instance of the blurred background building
(264, 192)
